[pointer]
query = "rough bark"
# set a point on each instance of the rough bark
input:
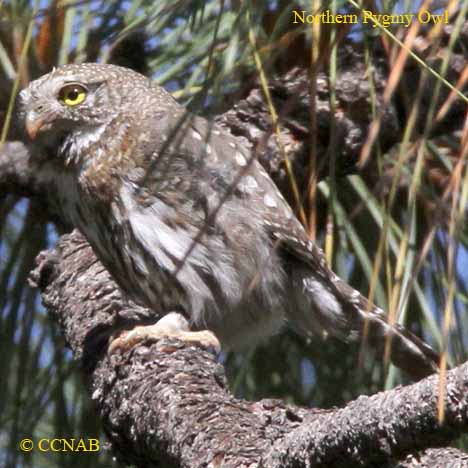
(168, 404)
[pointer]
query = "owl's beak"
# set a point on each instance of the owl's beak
(35, 123)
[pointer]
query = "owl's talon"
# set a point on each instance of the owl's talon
(128, 340)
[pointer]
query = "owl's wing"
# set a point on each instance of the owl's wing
(356, 318)
(338, 307)
(340, 310)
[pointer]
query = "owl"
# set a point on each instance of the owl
(186, 220)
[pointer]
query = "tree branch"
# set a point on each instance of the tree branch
(21, 176)
(16, 174)
(167, 404)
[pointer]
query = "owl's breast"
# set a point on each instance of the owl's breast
(105, 226)
(88, 215)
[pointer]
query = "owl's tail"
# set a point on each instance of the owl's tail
(406, 350)
(343, 312)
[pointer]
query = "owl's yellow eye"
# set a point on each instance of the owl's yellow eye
(73, 94)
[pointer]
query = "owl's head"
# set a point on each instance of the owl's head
(77, 99)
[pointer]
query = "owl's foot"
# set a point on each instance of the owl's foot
(171, 325)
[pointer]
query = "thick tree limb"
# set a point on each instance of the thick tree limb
(167, 404)
(20, 176)
(16, 173)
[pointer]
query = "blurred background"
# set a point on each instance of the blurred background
(363, 128)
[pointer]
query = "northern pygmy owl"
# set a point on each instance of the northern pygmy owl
(187, 221)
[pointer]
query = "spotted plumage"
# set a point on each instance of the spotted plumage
(185, 219)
